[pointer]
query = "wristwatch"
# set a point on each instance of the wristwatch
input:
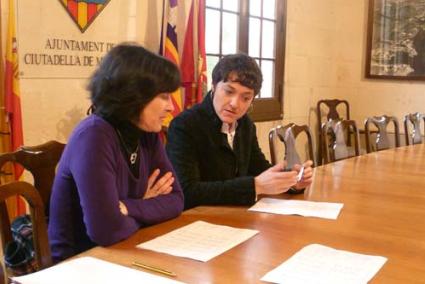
(293, 190)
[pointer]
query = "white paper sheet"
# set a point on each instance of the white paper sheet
(324, 265)
(199, 240)
(91, 271)
(298, 207)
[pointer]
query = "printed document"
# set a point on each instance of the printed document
(90, 270)
(298, 207)
(199, 240)
(324, 265)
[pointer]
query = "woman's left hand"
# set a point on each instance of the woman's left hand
(156, 186)
(123, 209)
(307, 176)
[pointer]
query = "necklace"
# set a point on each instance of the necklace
(131, 154)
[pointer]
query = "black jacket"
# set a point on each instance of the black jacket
(209, 171)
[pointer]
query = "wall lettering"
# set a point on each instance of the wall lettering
(69, 52)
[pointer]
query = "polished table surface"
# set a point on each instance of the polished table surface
(383, 214)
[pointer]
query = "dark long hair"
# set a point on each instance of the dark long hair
(239, 68)
(128, 78)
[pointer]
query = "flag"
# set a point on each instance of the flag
(7, 169)
(193, 67)
(169, 49)
(202, 59)
(12, 94)
(4, 127)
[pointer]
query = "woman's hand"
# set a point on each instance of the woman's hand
(156, 186)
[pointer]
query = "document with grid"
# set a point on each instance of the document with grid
(199, 240)
(324, 265)
(325, 210)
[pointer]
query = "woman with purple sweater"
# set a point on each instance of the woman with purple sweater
(114, 176)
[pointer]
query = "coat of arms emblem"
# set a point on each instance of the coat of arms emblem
(84, 12)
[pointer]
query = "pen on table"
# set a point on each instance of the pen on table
(153, 268)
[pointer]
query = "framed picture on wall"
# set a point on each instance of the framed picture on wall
(396, 40)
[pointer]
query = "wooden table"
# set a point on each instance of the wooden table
(383, 214)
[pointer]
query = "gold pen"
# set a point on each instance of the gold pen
(153, 268)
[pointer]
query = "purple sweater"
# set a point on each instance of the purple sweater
(92, 177)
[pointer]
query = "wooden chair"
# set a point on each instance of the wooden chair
(382, 140)
(330, 109)
(334, 143)
(36, 205)
(2, 274)
(287, 135)
(415, 136)
(41, 161)
(332, 113)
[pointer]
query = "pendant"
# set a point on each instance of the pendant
(133, 158)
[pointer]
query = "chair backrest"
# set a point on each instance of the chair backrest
(334, 141)
(287, 135)
(41, 161)
(382, 140)
(2, 274)
(332, 113)
(331, 109)
(39, 227)
(414, 119)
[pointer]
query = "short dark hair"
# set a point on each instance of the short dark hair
(239, 68)
(128, 78)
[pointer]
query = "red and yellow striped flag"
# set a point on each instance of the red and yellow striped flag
(12, 94)
(170, 51)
